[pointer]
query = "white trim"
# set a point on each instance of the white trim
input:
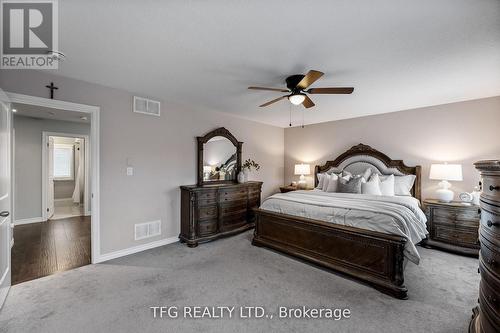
(4, 276)
(50, 103)
(136, 249)
(30, 220)
(94, 111)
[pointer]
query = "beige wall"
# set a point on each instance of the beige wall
(161, 150)
(460, 133)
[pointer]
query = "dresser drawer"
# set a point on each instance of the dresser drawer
(490, 224)
(443, 214)
(491, 188)
(206, 198)
(207, 227)
(233, 194)
(233, 207)
(234, 220)
(489, 295)
(460, 236)
(456, 215)
(490, 258)
(207, 212)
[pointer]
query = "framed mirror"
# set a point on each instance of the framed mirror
(219, 157)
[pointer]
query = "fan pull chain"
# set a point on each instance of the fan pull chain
(290, 115)
(303, 111)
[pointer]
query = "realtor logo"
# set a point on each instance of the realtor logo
(29, 34)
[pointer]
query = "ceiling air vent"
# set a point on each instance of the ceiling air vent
(148, 229)
(146, 106)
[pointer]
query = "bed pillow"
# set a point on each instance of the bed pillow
(387, 185)
(321, 180)
(366, 175)
(372, 186)
(326, 181)
(333, 185)
(402, 184)
(353, 185)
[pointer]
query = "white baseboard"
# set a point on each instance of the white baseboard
(135, 249)
(28, 221)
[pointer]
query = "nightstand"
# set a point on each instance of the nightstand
(288, 188)
(452, 226)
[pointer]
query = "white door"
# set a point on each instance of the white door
(50, 182)
(5, 198)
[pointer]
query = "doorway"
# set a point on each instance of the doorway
(65, 171)
(62, 233)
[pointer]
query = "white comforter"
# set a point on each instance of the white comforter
(396, 215)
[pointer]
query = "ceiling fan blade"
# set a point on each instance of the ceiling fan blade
(271, 89)
(309, 79)
(307, 103)
(343, 90)
(273, 101)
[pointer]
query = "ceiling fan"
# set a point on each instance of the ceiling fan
(297, 85)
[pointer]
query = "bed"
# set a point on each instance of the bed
(367, 237)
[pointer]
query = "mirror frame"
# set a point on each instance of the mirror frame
(221, 131)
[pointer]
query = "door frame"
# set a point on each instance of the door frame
(94, 112)
(45, 171)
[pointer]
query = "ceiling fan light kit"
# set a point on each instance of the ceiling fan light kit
(297, 85)
(297, 99)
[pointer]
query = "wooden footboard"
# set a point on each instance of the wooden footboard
(373, 257)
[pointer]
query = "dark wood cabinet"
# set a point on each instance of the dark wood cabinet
(486, 316)
(213, 211)
(452, 226)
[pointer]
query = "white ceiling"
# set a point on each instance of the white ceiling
(202, 55)
(40, 112)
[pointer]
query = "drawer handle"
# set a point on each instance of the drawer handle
(494, 188)
(491, 261)
(491, 298)
(479, 211)
(492, 224)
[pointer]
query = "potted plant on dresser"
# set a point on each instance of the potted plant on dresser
(246, 168)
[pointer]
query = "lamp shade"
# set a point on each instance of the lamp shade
(207, 169)
(302, 169)
(446, 172)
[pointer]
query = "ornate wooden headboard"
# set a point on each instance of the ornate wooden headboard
(361, 156)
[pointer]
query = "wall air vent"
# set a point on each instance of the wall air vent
(146, 106)
(148, 229)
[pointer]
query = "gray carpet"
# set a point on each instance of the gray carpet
(116, 296)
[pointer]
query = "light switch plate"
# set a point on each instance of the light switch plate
(130, 171)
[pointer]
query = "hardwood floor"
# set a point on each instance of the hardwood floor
(44, 248)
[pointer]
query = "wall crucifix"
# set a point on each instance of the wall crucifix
(52, 87)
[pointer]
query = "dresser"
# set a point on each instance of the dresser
(452, 226)
(486, 316)
(212, 211)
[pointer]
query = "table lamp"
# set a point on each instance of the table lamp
(445, 172)
(302, 169)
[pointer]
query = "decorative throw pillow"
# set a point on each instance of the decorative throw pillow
(333, 183)
(320, 180)
(326, 181)
(352, 185)
(372, 186)
(366, 175)
(387, 185)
